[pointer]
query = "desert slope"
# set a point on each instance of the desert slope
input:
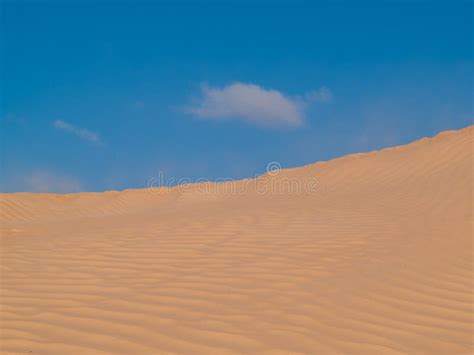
(376, 257)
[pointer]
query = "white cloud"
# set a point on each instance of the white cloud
(250, 102)
(321, 95)
(44, 181)
(77, 131)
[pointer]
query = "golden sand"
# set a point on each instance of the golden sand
(377, 259)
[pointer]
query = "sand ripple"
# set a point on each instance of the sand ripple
(379, 260)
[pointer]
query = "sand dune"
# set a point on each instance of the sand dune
(376, 258)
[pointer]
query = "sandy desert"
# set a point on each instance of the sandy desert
(376, 259)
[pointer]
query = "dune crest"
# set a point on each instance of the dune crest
(375, 258)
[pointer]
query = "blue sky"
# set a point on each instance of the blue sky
(105, 95)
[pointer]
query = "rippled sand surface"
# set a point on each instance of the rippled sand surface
(376, 258)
